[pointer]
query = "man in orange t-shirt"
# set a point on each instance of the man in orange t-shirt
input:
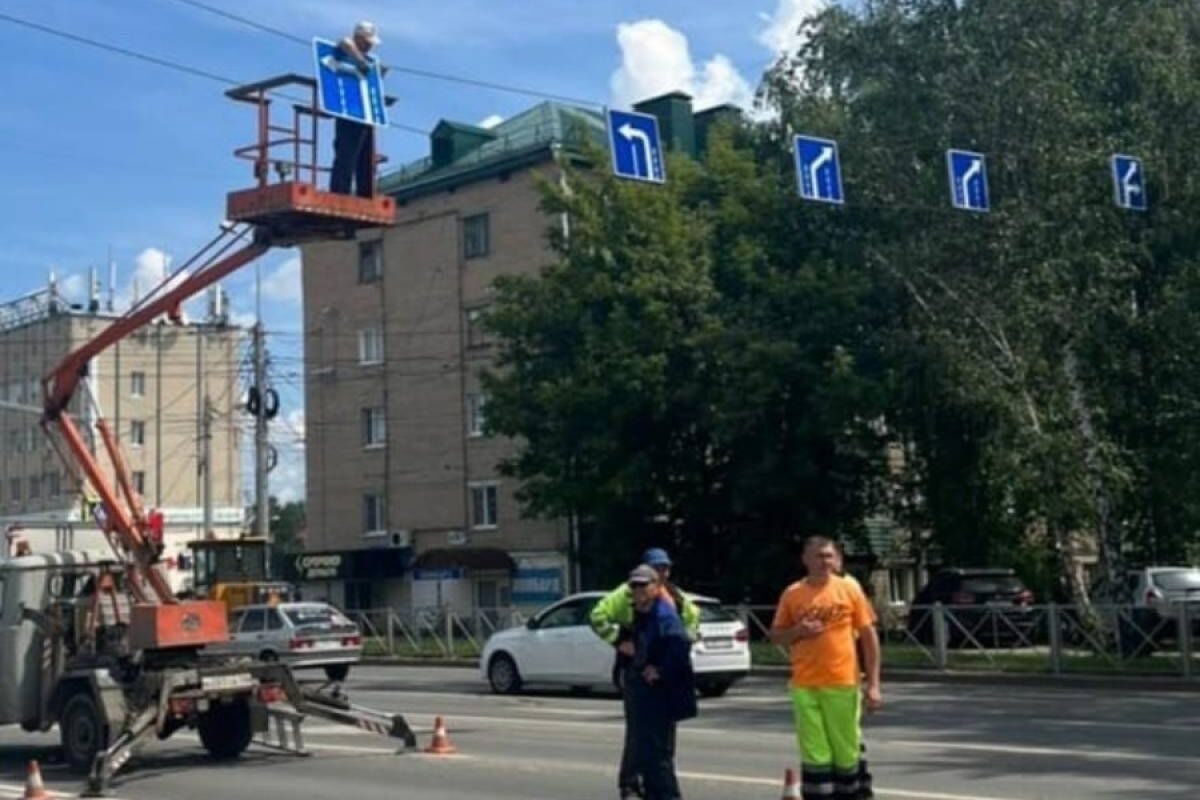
(817, 619)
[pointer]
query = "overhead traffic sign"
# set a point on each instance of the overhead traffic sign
(636, 147)
(1129, 182)
(968, 180)
(818, 170)
(343, 90)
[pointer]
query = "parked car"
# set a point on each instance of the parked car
(1156, 596)
(299, 634)
(992, 605)
(558, 646)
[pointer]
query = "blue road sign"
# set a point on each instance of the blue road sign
(343, 90)
(818, 170)
(968, 180)
(636, 148)
(1129, 182)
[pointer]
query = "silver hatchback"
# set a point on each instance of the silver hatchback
(298, 634)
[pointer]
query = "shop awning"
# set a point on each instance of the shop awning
(472, 558)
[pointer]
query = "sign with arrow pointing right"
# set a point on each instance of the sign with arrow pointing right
(818, 171)
(636, 147)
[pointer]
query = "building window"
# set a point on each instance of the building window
(483, 505)
(370, 346)
(475, 236)
(477, 334)
(373, 513)
(53, 484)
(370, 261)
(35, 487)
(139, 482)
(137, 432)
(31, 436)
(137, 384)
(476, 404)
(14, 490)
(374, 427)
(15, 441)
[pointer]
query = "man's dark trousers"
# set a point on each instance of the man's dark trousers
(628, 781)
(654, 738)
(352, 158)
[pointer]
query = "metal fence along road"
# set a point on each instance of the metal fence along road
(1047, 639)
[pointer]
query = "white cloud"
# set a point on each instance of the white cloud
(656, 58)
(283, 285)
(782, 33)
(74, 287)
(491, 121)
(242, 319)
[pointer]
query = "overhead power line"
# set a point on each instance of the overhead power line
(414, 71)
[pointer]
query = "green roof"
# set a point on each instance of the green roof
(529, 135)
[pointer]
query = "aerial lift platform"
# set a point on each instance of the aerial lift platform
(122, 658)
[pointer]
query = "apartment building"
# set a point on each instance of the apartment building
(163, 390)
(398, 462)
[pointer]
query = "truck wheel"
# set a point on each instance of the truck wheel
(337, 672)
(225, 729)
(84, 732)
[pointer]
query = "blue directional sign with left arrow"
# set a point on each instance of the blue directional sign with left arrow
(968, 180)
(1129, 182)
(636, 147)
(818, 170)
(346, 91)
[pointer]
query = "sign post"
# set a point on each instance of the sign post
(968, 180)
(636, 147)
(818, 170)
(1129, 182)
(343, 90)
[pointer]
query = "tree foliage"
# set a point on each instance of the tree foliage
(715, 365)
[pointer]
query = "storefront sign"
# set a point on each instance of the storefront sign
(534, 586)
(451, 574)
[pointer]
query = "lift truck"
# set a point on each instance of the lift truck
(101, 647)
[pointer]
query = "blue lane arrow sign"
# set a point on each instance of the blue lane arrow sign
(818, 170)
(968, 180)
(1129, 182)
(636, 147)
(344, 91)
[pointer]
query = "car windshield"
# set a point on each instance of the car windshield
(1178, 580)
(711, 612)
(992, 584)
(316, 617)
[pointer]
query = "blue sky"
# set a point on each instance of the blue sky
(105, 152)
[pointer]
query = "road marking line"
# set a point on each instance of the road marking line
(530, 765)
(1059, 752)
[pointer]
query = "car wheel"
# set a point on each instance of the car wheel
(713, 688)
(503, 674)
(337, 672)
(225, 729)
(268, 656)
(84, 733)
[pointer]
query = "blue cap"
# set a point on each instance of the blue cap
(656, 557)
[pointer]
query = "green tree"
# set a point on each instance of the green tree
(1042, 352)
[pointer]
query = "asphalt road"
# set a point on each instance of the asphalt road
(932, 742)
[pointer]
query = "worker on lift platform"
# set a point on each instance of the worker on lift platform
(353, 153)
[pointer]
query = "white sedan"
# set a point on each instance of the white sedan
(558, 646)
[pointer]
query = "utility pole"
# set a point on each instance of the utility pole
(206, 439)
(261, 505)
(262, 524)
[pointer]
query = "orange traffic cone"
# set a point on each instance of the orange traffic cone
(440, 746)
(34, 788)
(791, 786)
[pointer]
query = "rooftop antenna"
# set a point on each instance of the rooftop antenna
(112, 281)
(93, 290)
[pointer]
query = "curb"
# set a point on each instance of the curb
(1140, 683)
